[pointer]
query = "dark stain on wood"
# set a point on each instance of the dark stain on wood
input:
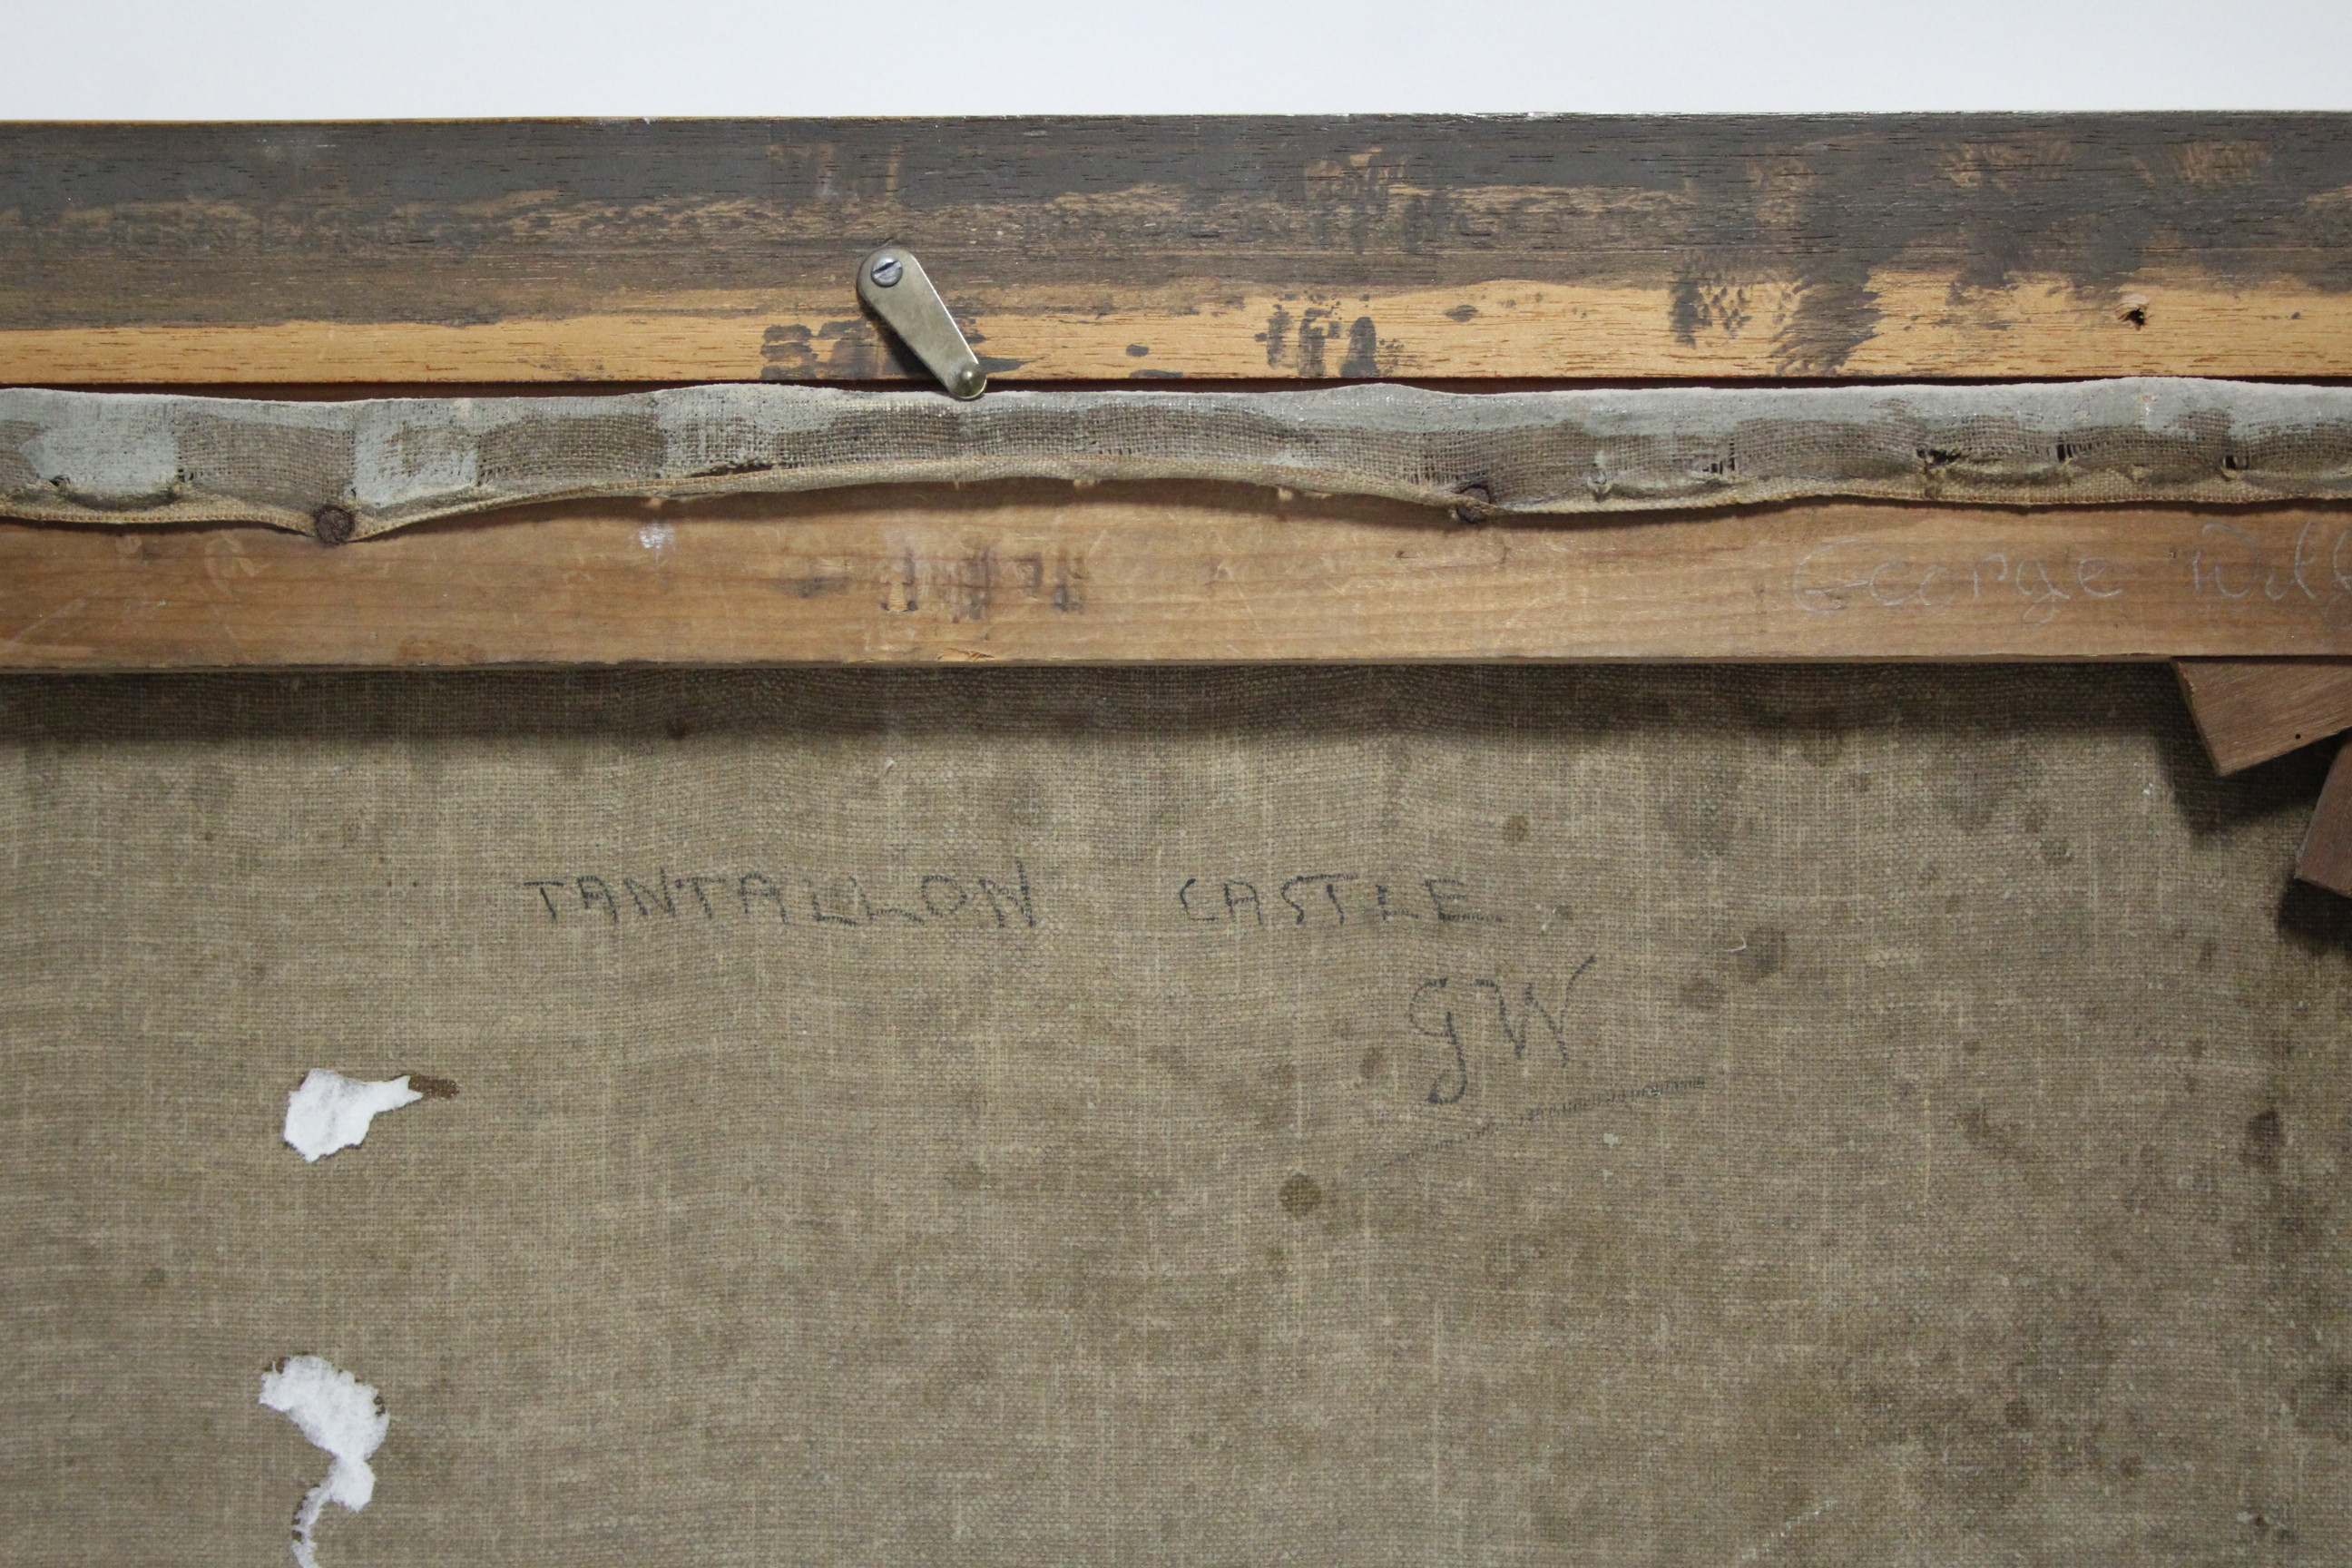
(469, 223)
(1276, 337)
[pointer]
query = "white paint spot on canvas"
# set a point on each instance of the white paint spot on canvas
(657, 536)
(339, 1414)
(329, 1111)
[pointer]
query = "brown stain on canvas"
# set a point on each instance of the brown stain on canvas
(1300, 1195)
(1701, 814)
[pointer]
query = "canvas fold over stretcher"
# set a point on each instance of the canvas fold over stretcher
(1563, 931)
(345, 470)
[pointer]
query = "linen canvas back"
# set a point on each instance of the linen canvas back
(1509, 1116)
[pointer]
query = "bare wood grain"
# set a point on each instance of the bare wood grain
(1144, 248)
(2325, 858)
(1501, 328)
(1043, 572)
(2249, 710)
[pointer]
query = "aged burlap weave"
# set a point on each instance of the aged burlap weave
(1436, 1116)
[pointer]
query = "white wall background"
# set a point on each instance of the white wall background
(148, 60)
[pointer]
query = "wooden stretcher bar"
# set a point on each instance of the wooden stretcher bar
(2251, 710)
(1612, 247)
(2325, 858)
(1045, 572)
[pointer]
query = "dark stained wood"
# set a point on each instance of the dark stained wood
(2326, 861)
(2249, 710)
(1043, 573)
(1372, 245)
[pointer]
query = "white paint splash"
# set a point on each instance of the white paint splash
(339, 1414)
(329, 1111)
